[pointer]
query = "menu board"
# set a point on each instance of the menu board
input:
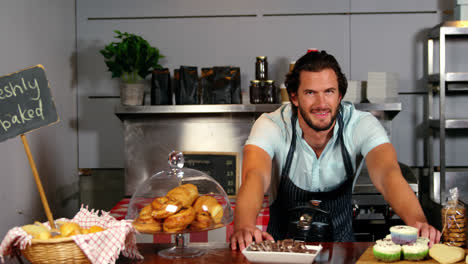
(25, 102)
(222, 166)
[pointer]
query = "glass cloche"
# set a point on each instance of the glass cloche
(176, 201)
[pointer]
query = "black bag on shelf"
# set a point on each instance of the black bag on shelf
(236, 91)
(161, 91)
(221, 85)
(186, 88)
(206, 85)
(221, 92)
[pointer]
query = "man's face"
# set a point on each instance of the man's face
(318, 98)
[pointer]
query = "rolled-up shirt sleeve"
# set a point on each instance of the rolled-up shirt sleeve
(264, 134)
(369, 133)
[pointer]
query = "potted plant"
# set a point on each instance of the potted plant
(131, 59)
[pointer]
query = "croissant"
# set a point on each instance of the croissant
(179, 221)
(202, 221)
(209, 204)
(185, 194)
(149, 225)
(145, 212)
(164, 207)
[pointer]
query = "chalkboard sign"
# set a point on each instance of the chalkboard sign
(222, 166)
(25, 102)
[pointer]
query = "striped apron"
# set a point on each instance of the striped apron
(336, 201)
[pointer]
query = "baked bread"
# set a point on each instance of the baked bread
(202, 221)
(37, 231)
(209, 204)
(145, 212)
(149, 225)
(70, 229)
(185, 194)
(446, 254)
(178, 222)
(164, 207)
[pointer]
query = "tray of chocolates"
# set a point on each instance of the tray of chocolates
(282, 251)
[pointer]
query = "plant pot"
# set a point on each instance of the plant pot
(132, 93)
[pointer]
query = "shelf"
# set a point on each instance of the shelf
(453, 178)
(449, 28)
(386, 106)
(450, 123)
(195, 109)
(450, 77)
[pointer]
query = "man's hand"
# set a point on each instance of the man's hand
(243, 237)
(426, 230)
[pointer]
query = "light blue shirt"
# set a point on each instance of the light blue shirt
(272, 132)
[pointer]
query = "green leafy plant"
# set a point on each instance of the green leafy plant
(131, 59)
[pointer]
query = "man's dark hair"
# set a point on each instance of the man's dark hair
(315, 61)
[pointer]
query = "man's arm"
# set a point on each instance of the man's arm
(385, 174)
(256, 176)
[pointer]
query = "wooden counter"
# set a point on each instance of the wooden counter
(221, 253)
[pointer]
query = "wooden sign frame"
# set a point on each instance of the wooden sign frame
(188, 155)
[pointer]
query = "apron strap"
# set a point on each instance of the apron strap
(344, 152)
(292, 148)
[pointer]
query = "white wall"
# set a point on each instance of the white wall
(40, 32)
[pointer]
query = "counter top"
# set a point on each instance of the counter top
(338, 252)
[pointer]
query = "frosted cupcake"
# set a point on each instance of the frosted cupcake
(385, 240)
(402, 234)
(387, 252)
(415, 251)
(422, 240)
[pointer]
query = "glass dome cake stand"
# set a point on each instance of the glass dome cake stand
(164, 181)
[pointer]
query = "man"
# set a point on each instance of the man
(313, 142)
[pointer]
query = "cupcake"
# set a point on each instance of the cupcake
(422, 240)
(402, 234)
(387, 252)
(385, 240)
(415, 251)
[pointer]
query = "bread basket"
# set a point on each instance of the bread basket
(59, 250)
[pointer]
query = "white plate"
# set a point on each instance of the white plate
(281, 257)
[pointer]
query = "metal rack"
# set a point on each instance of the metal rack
(439, 182)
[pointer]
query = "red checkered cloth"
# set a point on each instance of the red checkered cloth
(119, 211)
(100, 248)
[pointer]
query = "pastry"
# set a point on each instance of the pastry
(145, 212)
(185, 194)
(69, 229)
(149, 225)
(446, 254)
(423, 240)
(202, 221)
(402, 234)
(384, 240)
(37, 231)
(179, 221)
(209, 204)
(387, 252)
(164, 207)
(415, 251)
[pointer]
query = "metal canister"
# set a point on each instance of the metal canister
(269, 92)
(255, 92)
(261, 68)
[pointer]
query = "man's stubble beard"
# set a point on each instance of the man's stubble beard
(309, 122)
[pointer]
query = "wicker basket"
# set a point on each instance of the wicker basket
(60, 250)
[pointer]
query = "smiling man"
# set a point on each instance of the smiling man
(313, 143)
